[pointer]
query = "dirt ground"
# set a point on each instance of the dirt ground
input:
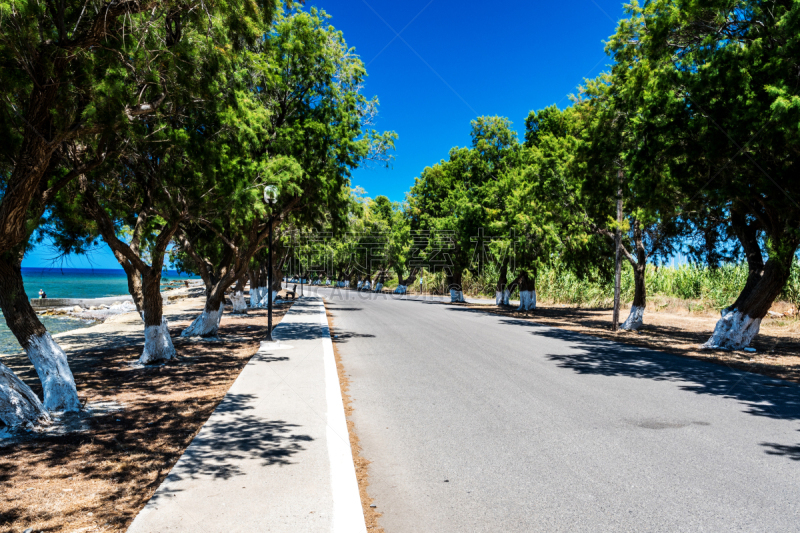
(97, 479)
(371, 514)
(681, 333)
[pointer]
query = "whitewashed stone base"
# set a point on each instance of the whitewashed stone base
(527, 301)
(157, 344)
(734, 331)
(401, 289)
(50, 363)
(635, 319)
(238, 303)
(366, 286)
(456, 296)
(205, 325)
(19, 406)
(378, 287)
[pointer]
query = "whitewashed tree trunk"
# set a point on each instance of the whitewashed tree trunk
(265, 300)
(50, 362)
(456, 296)
(255, 297)
(635, 319)
(366, 286)
(359, 285)
(157, 344)
(734, 331)
(378, 287)
(527, 301)
(19, 406)
(206, 324)
(347, 284)
(238, 303)
(255, 301)
(502, 297)
(401, 289)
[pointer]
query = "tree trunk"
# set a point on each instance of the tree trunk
(19, 406)
(502, 292)
(404, 284)
(380, 279)
(134, 283)
(352, 278)
(400, 289)
(453, 280)
(527, 291)
(277, 279)
(748, 237)
(157, 342)
(263, 281)
(33, 157)
(736, 329)
(636, 318)
(253, 276)
(255, 286)
(238, 303)
(47, 357)
(207, 324)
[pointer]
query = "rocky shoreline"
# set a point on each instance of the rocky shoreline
(99, 310)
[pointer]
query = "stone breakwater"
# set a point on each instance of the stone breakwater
(101, 309)
(90, 312)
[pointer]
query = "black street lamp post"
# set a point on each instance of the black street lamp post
(270, 197)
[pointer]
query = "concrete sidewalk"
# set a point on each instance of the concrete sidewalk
(275, 455)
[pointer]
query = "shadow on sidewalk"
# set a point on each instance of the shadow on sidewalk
(221, 446)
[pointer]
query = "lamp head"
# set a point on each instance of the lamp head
(270, 194)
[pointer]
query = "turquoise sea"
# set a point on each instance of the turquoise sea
(72, 283)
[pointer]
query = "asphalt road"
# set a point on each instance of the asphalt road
(480, 423)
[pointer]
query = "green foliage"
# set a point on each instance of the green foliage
(705, 287)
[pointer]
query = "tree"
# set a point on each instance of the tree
(451, 200)
(724, 77)
(65, 68)
(306, 130)
(649, 225)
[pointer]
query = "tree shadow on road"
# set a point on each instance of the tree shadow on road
(759, 395)
(341, 335)
(762, 396)
(789, 451)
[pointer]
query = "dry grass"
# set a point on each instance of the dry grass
(679, 332)
(371, 514)
(98, 480)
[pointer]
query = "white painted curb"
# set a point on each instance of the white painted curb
(348, 515)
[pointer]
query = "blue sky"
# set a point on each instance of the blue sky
(437, 64)
(457, 60)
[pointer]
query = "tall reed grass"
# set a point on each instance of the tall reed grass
(706, 287)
